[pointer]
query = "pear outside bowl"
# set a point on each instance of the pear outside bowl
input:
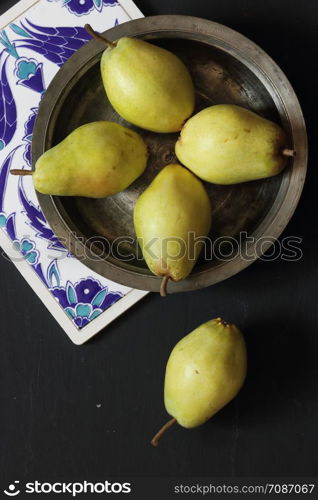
(226, 68)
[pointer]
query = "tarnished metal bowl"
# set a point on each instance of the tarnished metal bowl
(226, 68)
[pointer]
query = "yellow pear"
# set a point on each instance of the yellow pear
(169, 216)
(147, 85)
(205, 370)
(95, 160)
(228, 144)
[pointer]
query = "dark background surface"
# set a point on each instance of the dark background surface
(50, 425)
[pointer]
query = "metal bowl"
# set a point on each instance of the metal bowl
(226, 68)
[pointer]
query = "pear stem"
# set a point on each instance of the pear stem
(17, 171)
(289, 152)
(99, 37)
(155, 440)
(163, 286)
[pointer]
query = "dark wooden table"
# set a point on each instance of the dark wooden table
(51, 427)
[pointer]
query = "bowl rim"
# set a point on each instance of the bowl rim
(265, 69)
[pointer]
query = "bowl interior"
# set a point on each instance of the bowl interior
(237, 209)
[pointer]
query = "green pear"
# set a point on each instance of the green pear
(227, 144)
(96, 160)
(147, 85)
(169, 217)
(205, 371)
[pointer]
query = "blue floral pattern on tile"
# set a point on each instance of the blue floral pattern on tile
(28, 129)
(25, 246)
(82, 301)
(30, 74)
(3, 220)
(55, 44)
(28, 250)
(27, 49)
(27, 71)
(84, 7)
(4, 170)
(8, 110)
(36, 220)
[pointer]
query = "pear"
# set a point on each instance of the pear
(170, 217)
(205, 371)
(227, 144)
(95, 160)
(147, 85)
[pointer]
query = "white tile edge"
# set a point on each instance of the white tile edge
(131, 9)
(109, 315)
(16, 11)
(77, 336)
